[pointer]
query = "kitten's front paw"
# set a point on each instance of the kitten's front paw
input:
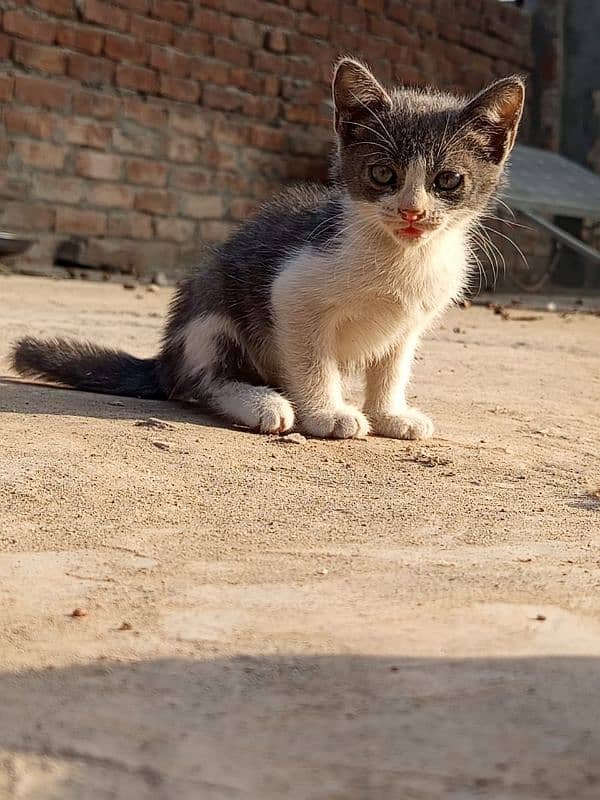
(409, 424)
(344, 423)
(276, 414)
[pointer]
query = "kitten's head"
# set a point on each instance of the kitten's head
(419, 161)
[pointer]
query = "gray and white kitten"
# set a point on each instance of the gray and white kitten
(326, 280)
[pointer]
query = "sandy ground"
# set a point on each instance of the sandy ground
(326, 621)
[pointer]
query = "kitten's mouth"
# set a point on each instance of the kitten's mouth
(410, 231)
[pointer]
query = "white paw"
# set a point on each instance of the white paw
(343, 423)
(276, 414)
(408, 424)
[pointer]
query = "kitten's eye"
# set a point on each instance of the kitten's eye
(382, 175)
(448, 181)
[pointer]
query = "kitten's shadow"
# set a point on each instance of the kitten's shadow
(27, 397)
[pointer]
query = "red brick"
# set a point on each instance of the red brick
(355, 17)
(164, 59)
(220, 156)
(277, 16)
(138, 6)
(198, 206)
(216, 230)
(193, 42)
(95, 104)
(190, 178)
(156, 201)
(151, 30)
(272, 85)
(40, 154)
(80, 222)
(59, 188)
(376, 6)
(175, 230)
(206, 70)
(105, 14)
(88, 40)
(186, 91)
(223, 99)
(232, 52)
(141, 142)
(242, 208)
(269, 62)
(7, 85)
(247, 32)
(88, 134)
(27, 216)
(276, 41)
(101, 166)
(130, 225)
(26, 26)
(148, 114)
(327, 8)
(399, 10)
(32, 123)
(89, 69)
(171, 10)
(138, 78)
(146, 171)
(246, 79)
(5, 46)
(190, 122)
(183, 149)
(228, 131)
(313, 26)
(264, 108)
(36, 56)
(40, 92)
(251, 9)
(125, 48)
(267, 138)
(111, 195)
(61, 8)
(213, 22)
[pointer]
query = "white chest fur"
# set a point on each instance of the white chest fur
(361, 298)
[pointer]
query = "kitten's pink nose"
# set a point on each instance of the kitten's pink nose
(411, 214)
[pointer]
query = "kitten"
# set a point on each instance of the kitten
(326, 279)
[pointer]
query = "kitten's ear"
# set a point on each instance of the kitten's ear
(355, 90)
(496, 113)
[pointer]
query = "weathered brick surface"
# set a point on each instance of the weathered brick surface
(141, 126)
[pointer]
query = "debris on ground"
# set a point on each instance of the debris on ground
(428, 459)
(79, 612)
(126, 626)
(154, 422)
(130, 285)
(162, 445)
(292, 438)
(499, 309)
(540, 618)
(160, 279)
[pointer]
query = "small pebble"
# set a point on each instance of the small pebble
(130, 285)
(540, 618)
(126, 626)
(79, 612)
(160, 279)
(292, 438)
(154, 422)
(162, 445)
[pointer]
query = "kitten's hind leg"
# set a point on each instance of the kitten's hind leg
(220, 374)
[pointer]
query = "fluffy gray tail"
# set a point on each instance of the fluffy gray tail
(87, 367)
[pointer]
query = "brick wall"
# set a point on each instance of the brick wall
(133, 129)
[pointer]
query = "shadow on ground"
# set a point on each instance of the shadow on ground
(27, 397)
(301, 728)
